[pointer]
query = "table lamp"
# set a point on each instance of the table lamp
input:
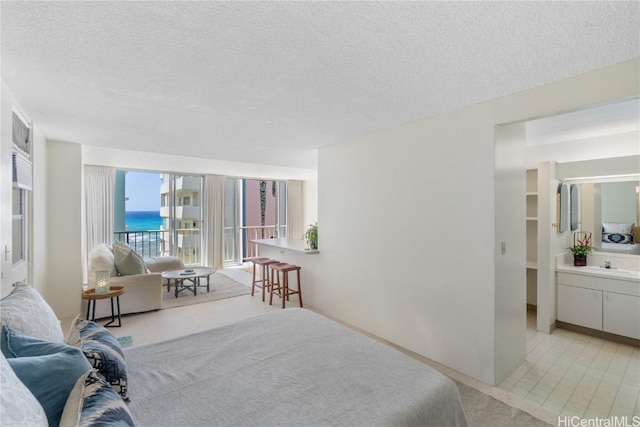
(102, 282)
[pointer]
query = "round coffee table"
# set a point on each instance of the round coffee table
(114, 292)
(188, 278)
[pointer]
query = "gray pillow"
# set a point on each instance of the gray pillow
(128, 262)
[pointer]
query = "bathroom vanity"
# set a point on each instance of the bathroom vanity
(599, 298)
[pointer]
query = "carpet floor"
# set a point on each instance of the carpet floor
(483, 410)
(220, 287)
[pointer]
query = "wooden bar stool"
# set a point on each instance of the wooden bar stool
(263, 283)
(281, 286)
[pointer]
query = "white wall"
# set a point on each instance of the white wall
(64, 227)
(40, 231)
(619, 201)
(510, 257)
(601, 147)
(408, 236)
(137, 160)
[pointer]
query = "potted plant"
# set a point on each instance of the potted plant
(581, 248)
(311, 236)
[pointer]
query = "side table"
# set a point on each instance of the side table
(114, 292)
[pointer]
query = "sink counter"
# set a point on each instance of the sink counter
(596, 271)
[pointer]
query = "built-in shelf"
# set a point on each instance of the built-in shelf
(531, 215)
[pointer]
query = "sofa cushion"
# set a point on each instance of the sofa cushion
(102, 350)
(18, 405)
(26, 311)
(128, 262)
(93, 402)
(48, 369)
(163, 263)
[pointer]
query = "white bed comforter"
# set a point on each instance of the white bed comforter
(633, 248)
(285, 368)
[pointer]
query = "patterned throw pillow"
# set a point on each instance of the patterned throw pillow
(103, 352)
(622, 238)
(18, 406)
(48, 369)
(24, 310)
(93, 403)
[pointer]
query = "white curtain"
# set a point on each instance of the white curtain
(213, 224)
(295, 226)
(99, 187)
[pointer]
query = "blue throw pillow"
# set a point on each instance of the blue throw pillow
(94, 403)
(48, 369)
(103, 351)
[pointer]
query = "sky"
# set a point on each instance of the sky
(143, 191)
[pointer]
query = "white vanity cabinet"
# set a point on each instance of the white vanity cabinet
(621, 314)
(600, 302)
(580, 306)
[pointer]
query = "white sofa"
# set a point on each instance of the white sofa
(143, 292)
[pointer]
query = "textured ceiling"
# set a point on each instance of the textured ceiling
(271, 82)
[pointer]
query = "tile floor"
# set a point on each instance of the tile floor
(578, 375)
(566, 373)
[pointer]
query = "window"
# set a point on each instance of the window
(161, 215)
(254, 209)
(22, 186)
(18, 226)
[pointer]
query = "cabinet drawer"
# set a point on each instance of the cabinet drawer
(580, 306)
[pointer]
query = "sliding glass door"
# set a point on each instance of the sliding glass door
(160, 214)
(254, 209)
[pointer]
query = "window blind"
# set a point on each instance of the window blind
(22, 172)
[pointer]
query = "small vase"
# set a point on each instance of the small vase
(579, 260)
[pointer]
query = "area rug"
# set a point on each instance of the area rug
(483, 410)
(220, 287)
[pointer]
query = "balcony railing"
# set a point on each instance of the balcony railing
(148, 243)
(154, 243)
(248, 233)
(185, 242)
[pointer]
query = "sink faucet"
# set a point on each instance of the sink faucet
(607, 263)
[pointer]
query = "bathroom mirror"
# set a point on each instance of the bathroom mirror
(608, 193)
(604, 203)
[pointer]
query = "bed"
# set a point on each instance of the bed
(620, 238)
(289, 367)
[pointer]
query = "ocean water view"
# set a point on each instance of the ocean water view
(142, 220)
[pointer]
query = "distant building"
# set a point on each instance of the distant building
(184, 218)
